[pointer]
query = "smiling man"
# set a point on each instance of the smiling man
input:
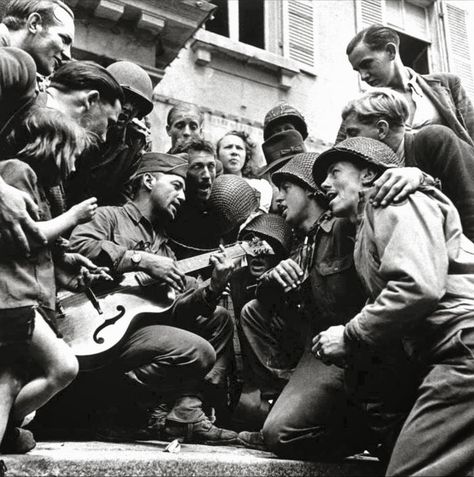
(433, 99)
(417, 268)
(312, 418)
(436, 150)
(42, 28)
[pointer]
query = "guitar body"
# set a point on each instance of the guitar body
(95, 338)
(95, 325)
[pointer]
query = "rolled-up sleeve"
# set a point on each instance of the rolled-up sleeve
(412, 271)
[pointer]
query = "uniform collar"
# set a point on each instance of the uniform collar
(328, 222)
(134, 212)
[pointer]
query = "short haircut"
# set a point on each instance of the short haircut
(376, 37)
(18, 11)
(184, 107)
(87, 75)
(380, 103)
(197, 145)
(250, 169)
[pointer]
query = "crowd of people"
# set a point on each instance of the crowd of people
(317, 307)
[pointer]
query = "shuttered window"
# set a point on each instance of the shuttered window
(401, 14)
(300, 31)
(371, 12)
(458, 47)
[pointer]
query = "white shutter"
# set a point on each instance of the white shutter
(416, 21)
(300, 33)
(459, 55)
(394, 12)
(371, 12)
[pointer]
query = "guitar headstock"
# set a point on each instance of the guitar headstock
(256, 246)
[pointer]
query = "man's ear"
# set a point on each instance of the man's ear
(91, 98)
(168, 130)
(383, 129)
(368, 176)
(34, 23)
(149, 180)
(391, 49)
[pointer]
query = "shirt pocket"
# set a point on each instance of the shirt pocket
(336, 265)
(124, 241)
(333, 281)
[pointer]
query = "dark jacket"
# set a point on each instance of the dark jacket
(105, 172)
(332, 293)
(196, 230)
(17, 86)
(451, 101)
(439, 152)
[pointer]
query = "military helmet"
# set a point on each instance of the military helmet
(363, 149)
(284, 110)
(135, 81)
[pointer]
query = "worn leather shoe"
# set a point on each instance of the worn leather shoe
(17, 441)
(201, 432)
(156, 421)
(252, 440)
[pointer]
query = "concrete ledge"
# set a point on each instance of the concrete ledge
(147, 458)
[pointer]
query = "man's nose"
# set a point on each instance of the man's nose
(206, 173)
(186, 131)
(364, 75)
(279, 196)
(325, 185)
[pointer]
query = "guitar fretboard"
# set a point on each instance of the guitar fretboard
(192, 264)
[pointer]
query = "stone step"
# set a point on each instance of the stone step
(146, 458)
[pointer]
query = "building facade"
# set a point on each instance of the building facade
(236, 59)
(254, 53)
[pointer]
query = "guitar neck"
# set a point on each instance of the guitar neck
(193, 264)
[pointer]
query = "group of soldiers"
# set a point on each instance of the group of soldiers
(348, 327)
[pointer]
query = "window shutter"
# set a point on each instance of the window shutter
(416, 23)
(459, 55)
(371, 12)
(301, 31)
(394, 12)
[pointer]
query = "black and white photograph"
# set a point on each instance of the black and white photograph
(237, 238)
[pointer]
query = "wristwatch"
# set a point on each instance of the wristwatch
(136, 258)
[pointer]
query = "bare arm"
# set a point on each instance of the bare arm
(79, 213)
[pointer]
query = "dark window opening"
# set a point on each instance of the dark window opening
(251, 23)
(220, 23)
(414, 53)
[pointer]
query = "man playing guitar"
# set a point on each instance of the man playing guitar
(185, 347)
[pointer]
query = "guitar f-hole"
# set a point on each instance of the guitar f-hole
(108, 322)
